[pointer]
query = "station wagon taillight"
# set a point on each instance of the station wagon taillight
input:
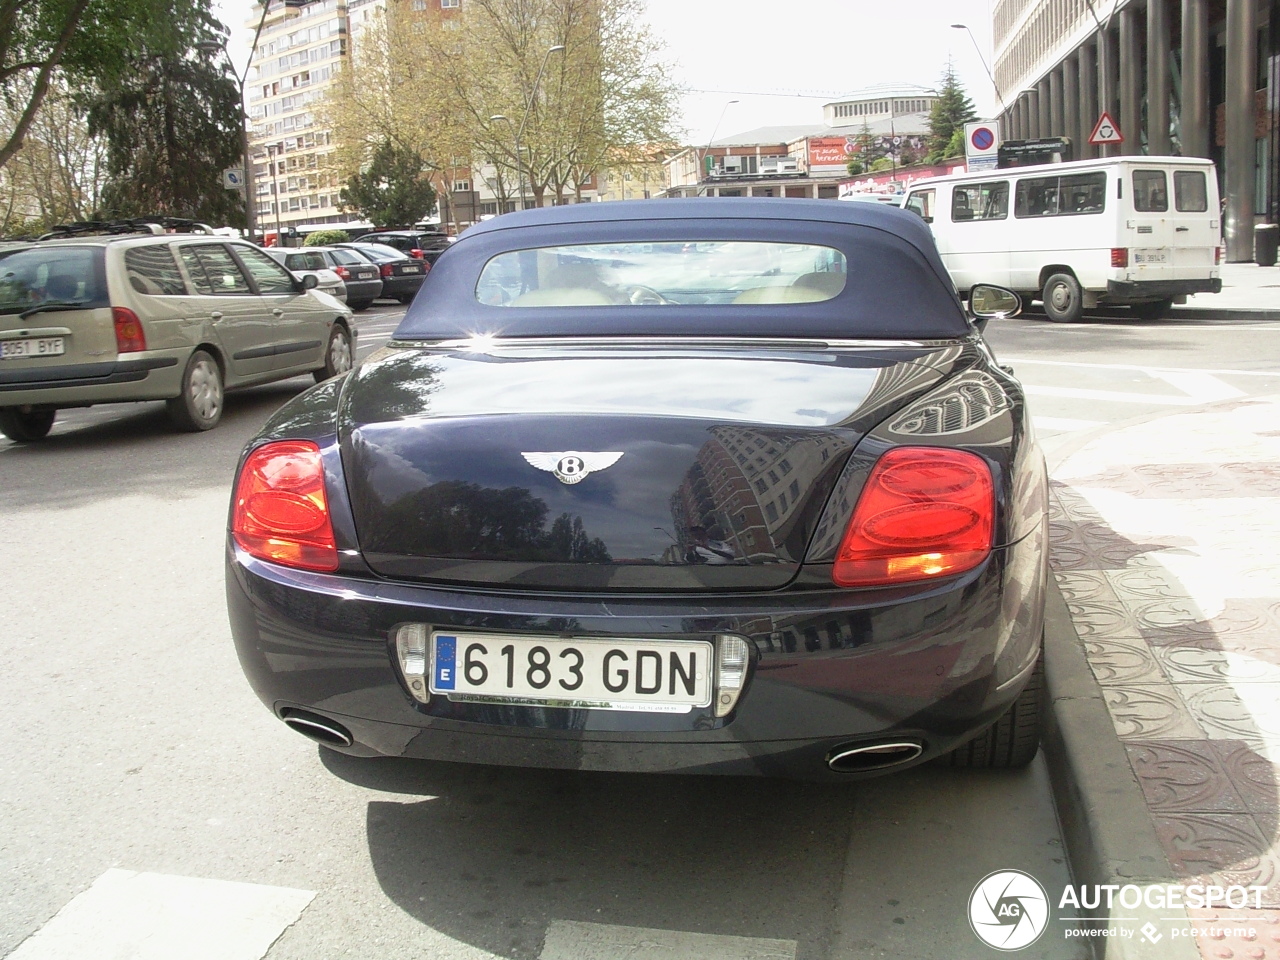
(280, 512)
(129, 335)
(924, 513)
(1119, 256)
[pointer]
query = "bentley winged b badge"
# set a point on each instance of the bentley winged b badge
(571, 466)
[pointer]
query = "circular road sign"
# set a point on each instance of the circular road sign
(982, 138)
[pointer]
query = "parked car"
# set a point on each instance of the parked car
(683, 487)
(1140, 232)
(123, 311)
(363, 279)
(420, 244)
(401, 275)
(303, 262)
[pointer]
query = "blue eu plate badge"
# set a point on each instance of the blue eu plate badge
(446, 654)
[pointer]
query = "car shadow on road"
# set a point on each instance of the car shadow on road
(110, 450)
(492, 856)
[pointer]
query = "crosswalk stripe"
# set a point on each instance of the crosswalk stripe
(1204, 387)
(1064, 423)
(1079, 393)
(154, 916)
(570, 940)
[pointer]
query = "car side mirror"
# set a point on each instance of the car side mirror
(309, 282)
(989, 302)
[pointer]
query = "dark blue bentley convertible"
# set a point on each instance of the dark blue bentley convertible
(722, 486)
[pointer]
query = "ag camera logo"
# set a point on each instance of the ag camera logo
(1008, 910)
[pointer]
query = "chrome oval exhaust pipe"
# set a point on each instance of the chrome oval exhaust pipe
(873, 756)
(317, 728)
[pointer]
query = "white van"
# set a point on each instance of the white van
(1141, 231)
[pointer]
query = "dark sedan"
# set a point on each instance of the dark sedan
(695, 486)
(402, 275)
(363, 278)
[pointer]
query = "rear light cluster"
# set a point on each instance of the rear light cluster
(1119, 256)
(280, 511)
(386, 269)
(1217, 256)
(130, 337)
(416, 254)
(924, 513)
(342, 272)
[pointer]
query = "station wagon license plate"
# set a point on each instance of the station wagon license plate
(1150, 255)
(669, 676)
(37, 347)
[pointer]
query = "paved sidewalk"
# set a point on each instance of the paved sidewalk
(1166, 547)
(1248, 292)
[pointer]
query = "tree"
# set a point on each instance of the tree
(951, 111)
(87, 40)
(392, 190)
(868, 148)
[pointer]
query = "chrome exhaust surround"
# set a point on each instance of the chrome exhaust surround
(873, 756)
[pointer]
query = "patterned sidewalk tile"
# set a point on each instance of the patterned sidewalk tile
(1255, 778)
(1247, 934)
(1183, 776)
(1207, 844)
(1206, 665)
(1123, 662)
(1150, 712)
(1248, 712)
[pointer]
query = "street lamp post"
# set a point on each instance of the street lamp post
(250, 213)
(275, 190)
(702, 161)
(978, 49)
(528, 108)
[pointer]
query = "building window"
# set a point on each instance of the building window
(416, 5)
(446, 4)
(462, 186)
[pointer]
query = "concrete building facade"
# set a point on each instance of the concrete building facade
(1187, 77)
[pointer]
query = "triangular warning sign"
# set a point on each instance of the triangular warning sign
(1106, 131)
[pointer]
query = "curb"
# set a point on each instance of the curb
(1226, 313)
(1106, 827)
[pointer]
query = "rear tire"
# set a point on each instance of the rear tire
(360, 305)
(1152, 309)
(26, 427)
(405, 298)
(199, 406)
(1063, 298)
(337, 354)
(1014, 739)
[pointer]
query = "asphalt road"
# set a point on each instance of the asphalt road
(133, 743)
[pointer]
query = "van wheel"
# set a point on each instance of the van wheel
(1152, 309)
(199, 405)
(26, 426)
(1063, 299)
(1014, 739)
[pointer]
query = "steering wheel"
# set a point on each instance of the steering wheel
(644, 296)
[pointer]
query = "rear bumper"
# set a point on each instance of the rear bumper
(137, 378)
(358, 290)
(1159, 289)
(830, 667)
(401, 286)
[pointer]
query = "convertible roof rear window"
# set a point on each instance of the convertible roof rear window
(657, 274)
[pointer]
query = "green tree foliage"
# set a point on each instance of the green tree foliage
(322, 238)
(84, 40)
(171, 119)
(392, 190)
(951, 111)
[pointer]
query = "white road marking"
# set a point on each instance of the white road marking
(1078, 393)
(1153, 371)
(569, 940)
(1064, 423)
(1204, 387)
(154, 916)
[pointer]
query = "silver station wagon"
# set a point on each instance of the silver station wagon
(106, 313)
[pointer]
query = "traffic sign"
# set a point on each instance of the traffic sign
(233, 178)
(981, 140)
(1106, 131)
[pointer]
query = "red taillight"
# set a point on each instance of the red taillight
(342, 272)
(280, 512)
(416, 254)
(129, 335)
(1217, 256)
(924, 513)
(386, 269)
(1119, 256)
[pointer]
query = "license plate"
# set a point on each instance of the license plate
(42, 347)
(671, 676)
(1151, 256)
(413, 269)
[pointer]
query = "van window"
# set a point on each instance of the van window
(1189, 192)
(1150, 191)
(980, 201)
(1061, 196)
(921, 204)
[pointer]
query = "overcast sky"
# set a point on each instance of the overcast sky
(782, 59)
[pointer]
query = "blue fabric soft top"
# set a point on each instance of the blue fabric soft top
(897, 287)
